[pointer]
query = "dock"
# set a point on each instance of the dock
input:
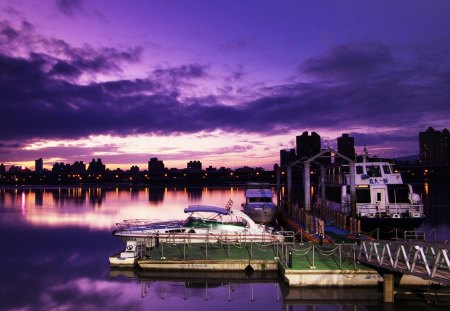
(298, 264)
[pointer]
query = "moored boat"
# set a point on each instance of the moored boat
(259, 203)
(204, 224)
(126, 258)
(383, 201)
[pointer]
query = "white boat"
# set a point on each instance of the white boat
(126, 258)
(259, 203)
(383, 201)
(204, 224)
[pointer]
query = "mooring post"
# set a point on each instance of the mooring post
(279, 188)
(307, 185)
(388, 287)
(289, 189)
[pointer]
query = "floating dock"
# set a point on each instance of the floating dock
(300, 264)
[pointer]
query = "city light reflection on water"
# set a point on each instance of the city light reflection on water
(56, 244)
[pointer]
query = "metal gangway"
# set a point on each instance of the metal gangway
(427, 260)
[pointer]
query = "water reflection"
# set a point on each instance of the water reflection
(56, 243)
(263, 289)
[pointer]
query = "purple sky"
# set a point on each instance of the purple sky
(229, 83)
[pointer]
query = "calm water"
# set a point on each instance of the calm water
(56, 242)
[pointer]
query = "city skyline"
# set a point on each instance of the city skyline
(226, 83)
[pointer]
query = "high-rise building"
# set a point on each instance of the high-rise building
(194, 166)
(434, 147)
(446, 146)
(2, 169)
(155, 166)
(346, 146)
(287, 156)
(307, 145)
(38, 165)
(96, 167)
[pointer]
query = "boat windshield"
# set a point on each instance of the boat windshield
(373, 170)
(215, 223)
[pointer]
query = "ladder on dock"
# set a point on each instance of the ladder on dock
(426, 260)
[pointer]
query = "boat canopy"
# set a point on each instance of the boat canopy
(207, 209)
(259, 193)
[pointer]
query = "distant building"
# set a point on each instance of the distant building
(346, 146)
(61, 168)
(38, 165)
(96, 167)
(194, 167)
(287, 156)
(78, 168)
(211, 169)
(155, 166)
(2, 169)
(134, 169)
(307, 145)
(434, 147)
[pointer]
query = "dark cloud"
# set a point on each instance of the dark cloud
(353, 61)
(41, 101)
(69, 7)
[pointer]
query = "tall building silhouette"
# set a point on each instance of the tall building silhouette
(2, 169)
(194, 166)
(96, 167)
(307, 145)
(38, 165)
(434, 147)
(155, 166)
(287, 156)
(346, 146)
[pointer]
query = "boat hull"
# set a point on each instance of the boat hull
(262, 216)
(389, 227)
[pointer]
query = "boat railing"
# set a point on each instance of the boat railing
(222, 237)
(392, 210)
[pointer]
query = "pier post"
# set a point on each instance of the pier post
(352, 188)
(388, 287)
(307, 185)
(289, 188)
(279, 188)
(322, 184)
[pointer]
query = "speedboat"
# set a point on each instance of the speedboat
(127, 257)
(259, 203)
(204, 224)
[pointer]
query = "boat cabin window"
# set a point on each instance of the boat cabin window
(359, 170)
(362, 195)
(373, 170)
(398, 193)
(259, 200)
(386, 169)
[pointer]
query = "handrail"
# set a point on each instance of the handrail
(423, 259)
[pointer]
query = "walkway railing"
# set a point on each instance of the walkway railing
(423, 259)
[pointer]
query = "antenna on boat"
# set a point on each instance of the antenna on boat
(365, 154)
(229, 204)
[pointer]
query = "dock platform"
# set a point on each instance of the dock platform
(299, 264)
